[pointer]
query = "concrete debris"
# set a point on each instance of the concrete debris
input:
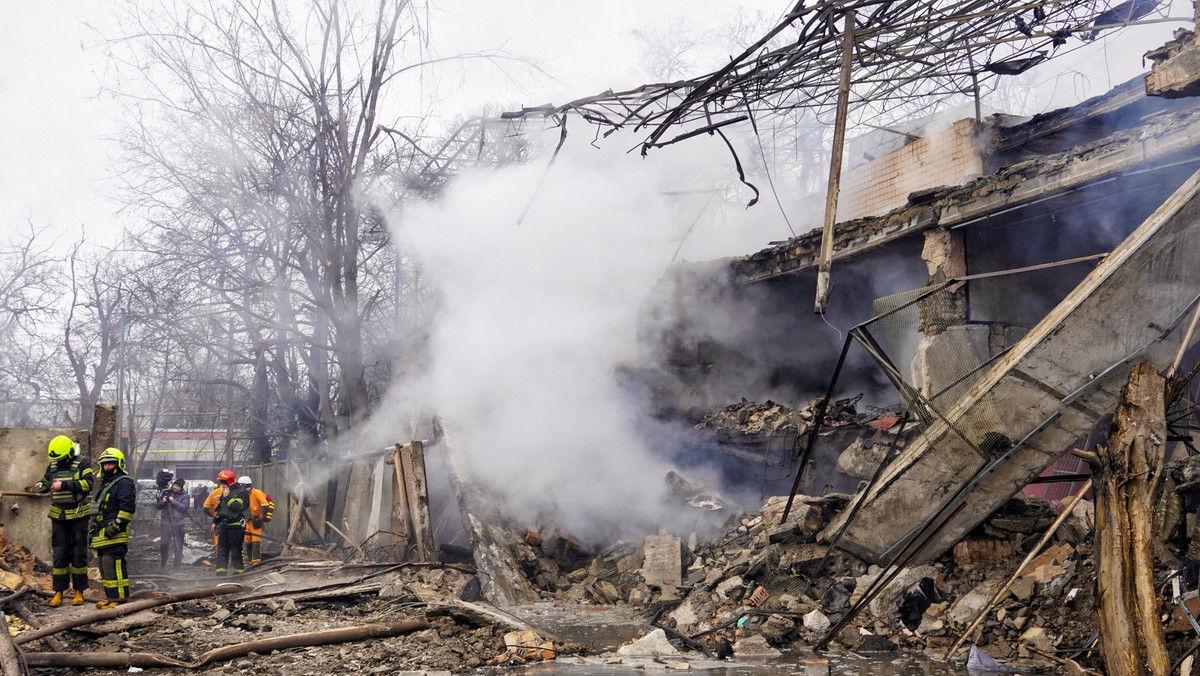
(654, 644)
(762, 583)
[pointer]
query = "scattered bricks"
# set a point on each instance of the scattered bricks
(972, 553)
(757, 597)
(1050, 563)
(532, 536)
(524, 646)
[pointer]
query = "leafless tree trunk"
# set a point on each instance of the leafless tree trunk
(92, 330)
(1128, 486)
(28, 286)
(257, 188)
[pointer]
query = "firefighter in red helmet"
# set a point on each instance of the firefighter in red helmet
(228, 506)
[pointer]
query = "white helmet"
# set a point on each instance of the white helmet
(245, 481)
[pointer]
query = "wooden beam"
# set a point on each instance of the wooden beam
(835, 167)
(11, 662)
(416, 488)
(495, 545)
(401, 520)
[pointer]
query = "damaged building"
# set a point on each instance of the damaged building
(1003, 277)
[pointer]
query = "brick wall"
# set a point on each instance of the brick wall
(945, 157)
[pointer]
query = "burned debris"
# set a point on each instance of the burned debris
(910, 526)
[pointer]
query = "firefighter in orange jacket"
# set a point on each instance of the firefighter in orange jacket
(228, 506)
(262, 508)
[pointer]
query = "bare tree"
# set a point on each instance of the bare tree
(29, 285)
(255, 135)
(92, 328)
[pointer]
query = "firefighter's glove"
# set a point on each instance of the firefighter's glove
(257, 523)
(112, 528)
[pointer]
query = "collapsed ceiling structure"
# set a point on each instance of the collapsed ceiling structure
(900, 51)
(865, 61)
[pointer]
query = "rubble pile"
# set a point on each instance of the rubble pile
(19, 567)
(290, 597)
(749, 419)
(766, 586)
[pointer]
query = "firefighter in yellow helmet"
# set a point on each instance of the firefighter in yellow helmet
(112, 512)
(68, 480)
(262, 508)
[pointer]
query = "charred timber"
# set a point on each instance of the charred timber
(1128, 486)
(11, 661)
(226, 653)
(126, 609)
(494, 544)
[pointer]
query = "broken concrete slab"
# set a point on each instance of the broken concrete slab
(653, 644)
(1040, 397)
(662, 567)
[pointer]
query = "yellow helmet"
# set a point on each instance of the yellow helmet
(60, 447)
(112, 455)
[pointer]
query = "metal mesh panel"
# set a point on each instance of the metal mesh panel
(933, 356)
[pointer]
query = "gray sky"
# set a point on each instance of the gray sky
(56, 165)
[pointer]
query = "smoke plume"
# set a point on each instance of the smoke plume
(537, 314)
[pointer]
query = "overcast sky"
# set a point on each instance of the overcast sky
(56, 166)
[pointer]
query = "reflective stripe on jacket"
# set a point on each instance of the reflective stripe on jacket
(228, 506)
(70, 502)
(116, 503)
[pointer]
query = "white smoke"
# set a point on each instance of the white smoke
(536, 318)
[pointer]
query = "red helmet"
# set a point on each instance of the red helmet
(227, 477)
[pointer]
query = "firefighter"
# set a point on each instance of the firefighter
(68, 480)
(112, 513)
(227, 506)
(262, 508)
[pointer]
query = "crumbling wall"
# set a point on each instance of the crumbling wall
(944, 157)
